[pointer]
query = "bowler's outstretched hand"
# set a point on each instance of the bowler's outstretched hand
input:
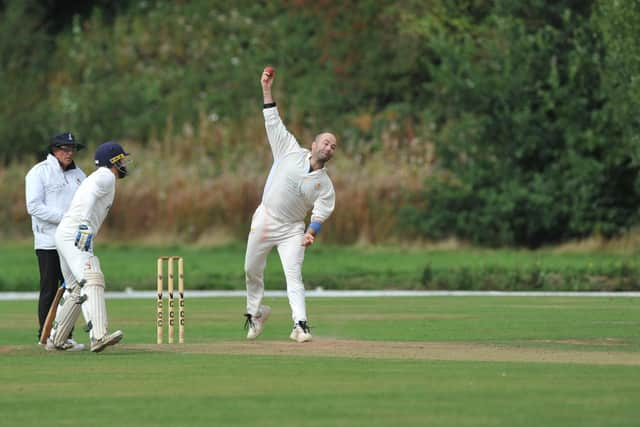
(307, 239)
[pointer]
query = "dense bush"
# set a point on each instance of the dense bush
(23, 80)
(525, 125)
(620, 276)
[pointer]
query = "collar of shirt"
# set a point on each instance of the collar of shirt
(54, 161)
(307, 163)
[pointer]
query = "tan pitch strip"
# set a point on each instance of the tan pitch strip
(170, 261)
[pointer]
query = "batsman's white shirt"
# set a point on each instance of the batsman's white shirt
(291, 191)
(90, 205)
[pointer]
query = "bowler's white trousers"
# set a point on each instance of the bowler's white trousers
(267, 232)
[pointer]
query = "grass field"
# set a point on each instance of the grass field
(352, 267)
(425, 361)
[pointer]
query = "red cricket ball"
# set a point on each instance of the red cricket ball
(270, 70)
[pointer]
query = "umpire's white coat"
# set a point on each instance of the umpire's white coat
(290, 192)
(48, 193)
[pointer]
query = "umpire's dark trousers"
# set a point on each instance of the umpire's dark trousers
(50, 281)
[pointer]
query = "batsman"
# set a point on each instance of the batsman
(74, 241)
(297, 184)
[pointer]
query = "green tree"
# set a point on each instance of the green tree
(524, 128)
(23, 79)
(619, 24)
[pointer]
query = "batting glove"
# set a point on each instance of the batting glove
(84, 238)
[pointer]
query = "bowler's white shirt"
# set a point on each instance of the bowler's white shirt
(291, 191)
(91, 202)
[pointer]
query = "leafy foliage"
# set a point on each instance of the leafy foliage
(526, 129)
(23, 64)
(524, 116)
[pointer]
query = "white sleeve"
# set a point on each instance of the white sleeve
(104, 184)
(280, 139)
(324, 205)
(34, 195)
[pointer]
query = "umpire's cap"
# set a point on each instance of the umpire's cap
(66, 138)
(109, 153)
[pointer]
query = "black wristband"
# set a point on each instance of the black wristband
(269, 105)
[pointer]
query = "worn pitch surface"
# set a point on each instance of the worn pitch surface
(452, 351)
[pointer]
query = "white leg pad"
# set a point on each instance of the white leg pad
(96, 307)
(67, 313)
(85, 312)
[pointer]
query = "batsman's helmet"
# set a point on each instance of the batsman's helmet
(112, 154)
(62, 139)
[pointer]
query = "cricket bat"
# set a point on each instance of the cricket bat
(51, 316)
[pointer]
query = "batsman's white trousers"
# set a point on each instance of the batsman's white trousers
(73, 261)
(267, 232)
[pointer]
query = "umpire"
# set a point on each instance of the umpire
(49, 188)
